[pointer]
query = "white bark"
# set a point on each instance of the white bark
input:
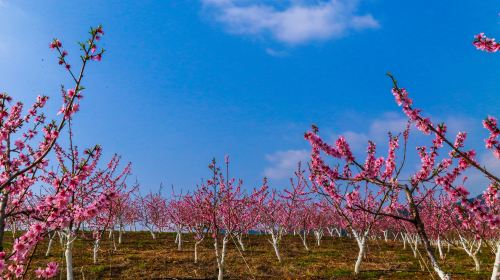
(275, 242)
(96, 249)
(413, 242)
(196, 250)
(220, 254)
(318, 234)
(68, 254)
(152, 233)
(361, 240)
(471, 248)
(239, 237)
(303, 236)
(120, 234)
(179, 240)
(49, 246)
(495, 275)
(395, 236)
(440, 249)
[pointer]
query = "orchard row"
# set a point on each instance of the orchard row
(49, 188)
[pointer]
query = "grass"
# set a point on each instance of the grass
(141, 257)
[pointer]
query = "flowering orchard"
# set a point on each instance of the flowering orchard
(52, 192)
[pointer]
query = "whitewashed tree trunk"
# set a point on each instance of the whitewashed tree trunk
(303, 236)
(196, 250)
(220, 254)
(49, 246)
(179, 240)
(440, 249)
(413, 242)
(276, 251)
(61, 238)
(395, 236)
(275, 242)
(239, 237)
(361, 240)
(153, 234)
(386, 234)
(430, 254)
(495, 275)
(318, 234)
(472, 249)
(96, 249)
(68, 254)
(120, 234)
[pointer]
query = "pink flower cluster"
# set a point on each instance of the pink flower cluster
(402, 99)
(49, 272)
(481, 42)
(492, 143)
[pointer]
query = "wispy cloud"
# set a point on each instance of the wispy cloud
(276, 53)
(284, 163)
(377, 131)
(292, 22)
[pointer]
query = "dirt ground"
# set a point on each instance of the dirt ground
(141, 257)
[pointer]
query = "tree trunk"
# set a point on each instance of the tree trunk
(275, 242)
(440, 249)
(423, 235)
(239, 237)
(277, 251)
(468, 247)
(477, 264)
(120, 234)
(220, 255)
(361, 240)
(96, 249)
(179, 241)
(196, 250)
(362, 246)
(495, 275)
(69, 258)
(430, 254)
(319, 235)
(49, 246)
(304, 240)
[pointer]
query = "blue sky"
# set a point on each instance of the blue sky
(184, 81)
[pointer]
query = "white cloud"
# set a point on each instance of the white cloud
(294, 22)
(284, 163)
